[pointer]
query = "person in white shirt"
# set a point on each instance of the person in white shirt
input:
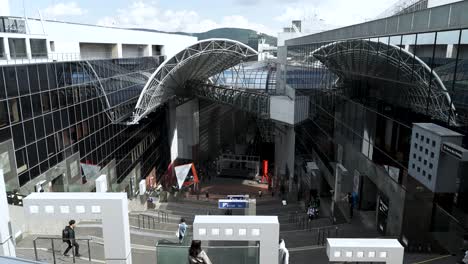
(283, 256)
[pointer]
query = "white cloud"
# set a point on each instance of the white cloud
(64, 9)
(150, 15)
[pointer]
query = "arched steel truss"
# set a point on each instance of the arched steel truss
(197, 62)
(381, 63)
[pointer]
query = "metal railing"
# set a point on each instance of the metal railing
(53, 247)
(146, 221)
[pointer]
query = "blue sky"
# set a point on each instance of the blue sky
(268, 16)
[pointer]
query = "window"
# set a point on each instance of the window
(427, 151)
(417, 135)
(413, 165)
(15, 113)
(425, 162)
(419, 169)
(3, 114)
(433, 143)
(414, 155)
(45, 102)
(415, 146)
(424, 173)
(422, 138)
(431, 166)
(420, 148)
(429, 176)
(2, 49)
(432, 154)
(52, 46)
(38, 48)
(419, 159)
(17, 48)
(427, 140)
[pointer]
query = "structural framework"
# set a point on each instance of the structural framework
(420, 88)
(198, 62)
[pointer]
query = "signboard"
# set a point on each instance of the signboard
(454, 150)
(238, 197)
(233, 204)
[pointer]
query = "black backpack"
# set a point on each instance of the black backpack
(65, 235)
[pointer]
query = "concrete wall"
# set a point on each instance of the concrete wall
(18, 220)
(354, 160)
(77, 33)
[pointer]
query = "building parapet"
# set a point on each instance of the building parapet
(446, 17)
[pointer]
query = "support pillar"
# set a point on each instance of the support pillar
(7, 246)
(6, 47)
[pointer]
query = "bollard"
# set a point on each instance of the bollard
(53, 250)
(35, 249)
(89, 251)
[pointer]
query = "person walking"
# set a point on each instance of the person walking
(283, 256)
(182, 229)
(197, 255)
(68, 236)
(350, 199)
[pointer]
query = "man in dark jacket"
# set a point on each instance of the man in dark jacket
(69, 238)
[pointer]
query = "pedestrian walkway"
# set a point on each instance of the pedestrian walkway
(305, 243)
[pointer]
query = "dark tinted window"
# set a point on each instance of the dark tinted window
(52, 76)
(26, 108)
(43, 81)
(4, 120)
(29, 131)
(10, 81)
(2, 85)
(23, 83)
(15, 113)
(32, 155)
(39, 126)
(33, 78)
(18, 135)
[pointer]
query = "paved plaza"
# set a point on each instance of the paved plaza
(302, 239)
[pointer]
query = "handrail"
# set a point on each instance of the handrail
(53, 246)
(149, 221)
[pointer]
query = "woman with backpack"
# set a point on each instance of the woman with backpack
(197, 255)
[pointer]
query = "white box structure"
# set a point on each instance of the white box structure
(264, 229)
(101, 183)
(427, 163)
(7, 248)
(112, 208)
(389, 251)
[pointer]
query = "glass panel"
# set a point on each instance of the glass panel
(29, 131)
(17, 48)
(33, 78)
(4, 120)
(26, 108)
(10, 81)
(23, 84)
(2, 85)
(15, 113)
(38, 48)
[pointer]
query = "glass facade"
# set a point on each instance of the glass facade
(365, 94)
(52, 111)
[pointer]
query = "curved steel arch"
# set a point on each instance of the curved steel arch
(198, 62)
(421, 87)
